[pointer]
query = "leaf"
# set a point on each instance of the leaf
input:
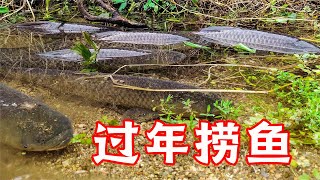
(156, 8)
(82, 50)
(292, 16)
(4, 9)
(197, 46)
(304, 176)
(88, 39)
(282, 20)
(243, 48)
(294, 164)
(123, 6)
(195, 1)
(119, 1)
(316, 174)
(208, 108)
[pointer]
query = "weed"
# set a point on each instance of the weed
(241, 48)
(227, 110)
(4, 10)
(81, 138)
(89, 56)
(315, 174)
(298, 105)
(110, 122)
(47, 15)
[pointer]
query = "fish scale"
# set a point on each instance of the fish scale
(259, 40)
(140, 38)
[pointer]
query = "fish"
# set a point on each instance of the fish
(97, 87)
(48, 27)
(107, 59)
(29, 125)
(104, 54)
(259, 40)
(140, 38)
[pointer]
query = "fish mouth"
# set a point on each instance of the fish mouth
(63, 139)
(58, 142)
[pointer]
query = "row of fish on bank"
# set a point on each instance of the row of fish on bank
(113, 58)
(223, 35)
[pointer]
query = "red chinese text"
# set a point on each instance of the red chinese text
(269, 144)
(116, 136)
(167, 139)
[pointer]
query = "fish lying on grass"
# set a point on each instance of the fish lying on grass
(48, 27)
(100, 88)
(231, 36)
(140, 38)
(29, 125)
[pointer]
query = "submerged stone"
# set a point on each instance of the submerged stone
(140, 38)
(229, 36)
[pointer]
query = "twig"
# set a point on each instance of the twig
(30, 8)
(186, 90)
(19, 9)
(195, 65)
(116, 17)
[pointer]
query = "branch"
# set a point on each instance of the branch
(115, 19)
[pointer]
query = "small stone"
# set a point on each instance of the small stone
(80, 172)
(26, 176)
(66, 163)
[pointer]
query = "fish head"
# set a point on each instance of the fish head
(43, 129)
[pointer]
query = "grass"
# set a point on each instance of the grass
(168, 114)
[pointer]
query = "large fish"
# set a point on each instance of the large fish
(47, 27)
(231, 36)
(29, 125)
(140, 38)
(101, 88)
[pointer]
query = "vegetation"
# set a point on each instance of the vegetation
(89, 56)
(168, 114)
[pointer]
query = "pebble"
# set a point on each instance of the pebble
(66, 163)
(80, 172)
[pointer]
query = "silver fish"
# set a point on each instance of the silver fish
(104, 54)
(48, 27)
(229, 36)
(140, 38)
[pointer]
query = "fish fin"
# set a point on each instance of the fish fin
(140, 115)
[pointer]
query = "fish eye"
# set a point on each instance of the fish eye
(25, 146)
(143, 114)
